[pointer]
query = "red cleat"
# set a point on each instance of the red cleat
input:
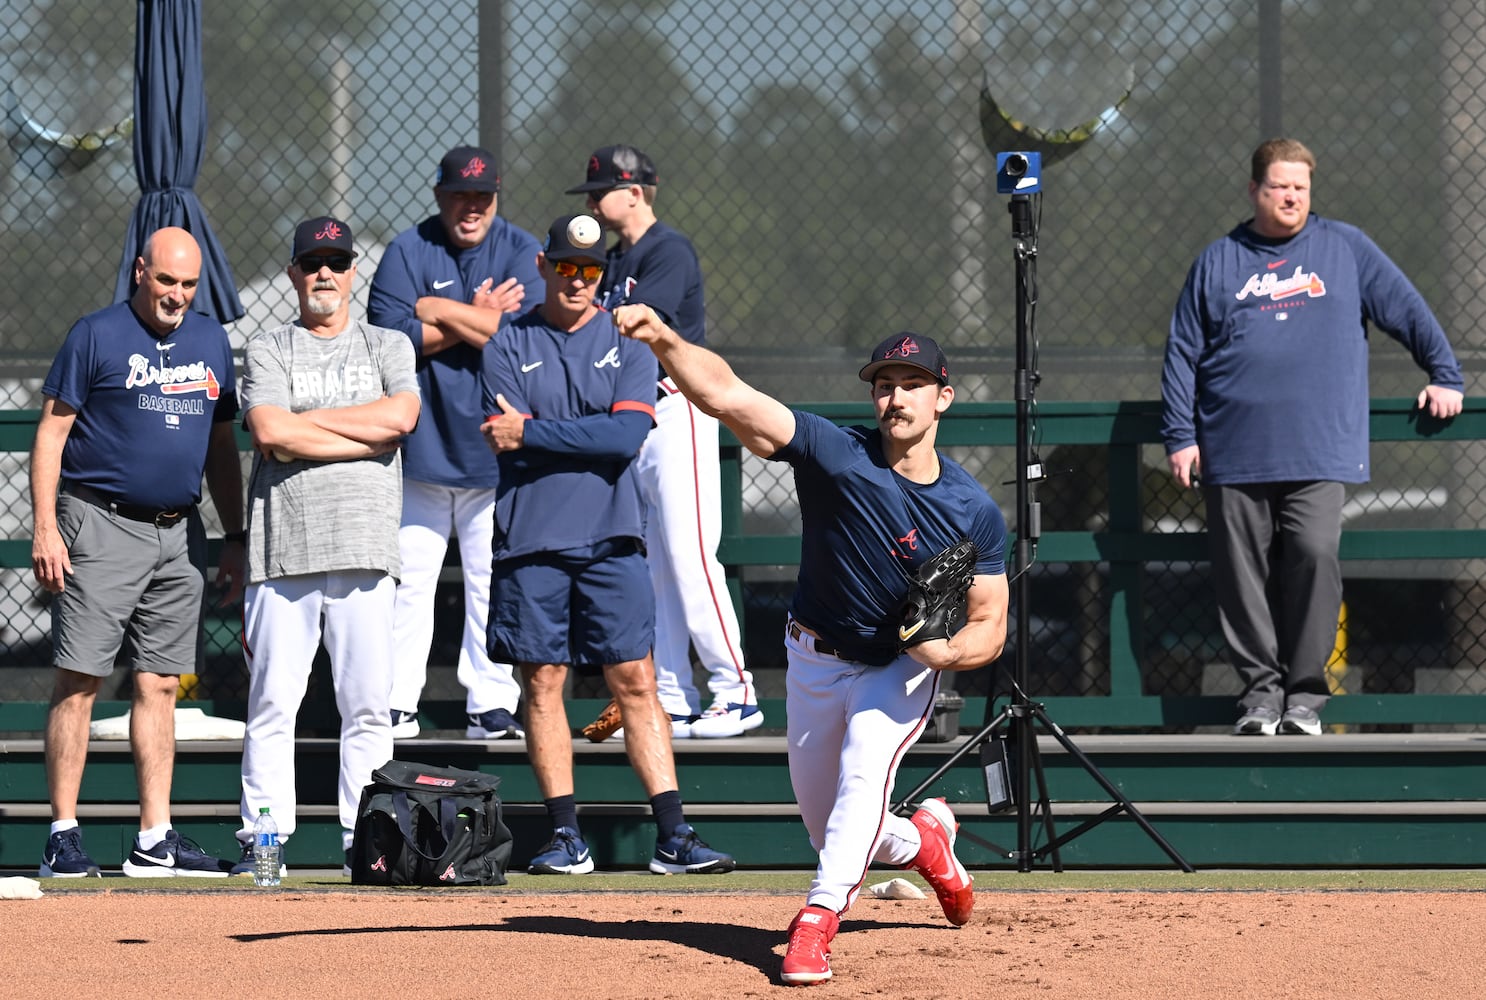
(937, 863)
(808, 958)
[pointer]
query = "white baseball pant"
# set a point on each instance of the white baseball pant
(282, 627)
(430, 513)
(680, 479)
(849, 726)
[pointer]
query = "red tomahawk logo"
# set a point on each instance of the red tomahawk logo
(210, 384)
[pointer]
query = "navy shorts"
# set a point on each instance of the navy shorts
(585, 610)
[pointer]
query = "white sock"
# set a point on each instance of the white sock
(64, 824)
(148, 839)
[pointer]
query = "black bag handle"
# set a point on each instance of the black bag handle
(404, 812)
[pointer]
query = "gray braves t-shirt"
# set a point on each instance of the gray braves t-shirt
(319, 517)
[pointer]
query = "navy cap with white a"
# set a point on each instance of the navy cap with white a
(468, 168)
(617, 166)
(322, 233)
(559, 242)
(912, 349)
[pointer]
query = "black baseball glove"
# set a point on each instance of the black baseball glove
(934, 607)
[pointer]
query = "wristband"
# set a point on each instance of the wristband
(235, 536)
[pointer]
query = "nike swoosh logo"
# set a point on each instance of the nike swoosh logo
(439, 285)
(904, 634)
(531, 367)
(668, 855)
(1271, 267)
(166, 862)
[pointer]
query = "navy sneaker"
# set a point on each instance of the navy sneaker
(495, 724)
(404, 724)
(175, 855)
(565, 854)
(64, 857)
(244, 864)
(727, 718)
(684, 853)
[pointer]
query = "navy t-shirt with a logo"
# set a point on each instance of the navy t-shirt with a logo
(868, 529)
(145, 404)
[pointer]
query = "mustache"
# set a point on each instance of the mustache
(324, 286)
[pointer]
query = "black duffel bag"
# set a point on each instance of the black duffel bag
(423, 825)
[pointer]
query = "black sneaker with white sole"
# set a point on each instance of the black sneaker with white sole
(246, 863)
(175, 855)
(496, 724)
(64, 857)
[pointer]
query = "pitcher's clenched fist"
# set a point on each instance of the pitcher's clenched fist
(641, 323)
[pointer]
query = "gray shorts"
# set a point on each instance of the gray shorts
(135, 589)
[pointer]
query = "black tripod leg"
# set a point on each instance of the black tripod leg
(1044, 808)
(904, 806)
(1110, 789)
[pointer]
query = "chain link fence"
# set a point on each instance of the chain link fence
(829, 163)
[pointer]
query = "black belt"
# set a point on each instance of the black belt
(132, 511)
(796, 631)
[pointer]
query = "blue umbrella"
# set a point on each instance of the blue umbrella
(169, 143)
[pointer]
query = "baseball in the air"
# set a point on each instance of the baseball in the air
(583, 232)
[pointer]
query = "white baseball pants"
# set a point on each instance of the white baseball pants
(430, 513)
(849, 726)
(680, 480)
(283, 620)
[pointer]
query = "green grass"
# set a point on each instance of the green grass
(797, 882)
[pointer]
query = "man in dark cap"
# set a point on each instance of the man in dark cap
(446, 283)
(679, 471)
(570, 403)
(328, 400)
(876, 504)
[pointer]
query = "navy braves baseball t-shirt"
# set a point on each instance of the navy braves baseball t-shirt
(146, 404)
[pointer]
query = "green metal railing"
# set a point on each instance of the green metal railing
(1122, 545)
(1125, 547)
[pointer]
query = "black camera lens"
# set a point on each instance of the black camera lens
(1016, 165)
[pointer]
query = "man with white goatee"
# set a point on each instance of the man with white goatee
(328, 400)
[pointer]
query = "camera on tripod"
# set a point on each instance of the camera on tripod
(1018, 173)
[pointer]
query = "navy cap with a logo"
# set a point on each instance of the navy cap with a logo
(911, 349)
(468, 168)
(322, 233)
(559, 242)
(616, 166)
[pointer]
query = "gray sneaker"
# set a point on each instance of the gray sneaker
(1300, 721)
(1257, 722)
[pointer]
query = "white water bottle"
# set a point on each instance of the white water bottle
(268, 856)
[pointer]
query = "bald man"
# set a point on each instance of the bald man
(138, 407)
